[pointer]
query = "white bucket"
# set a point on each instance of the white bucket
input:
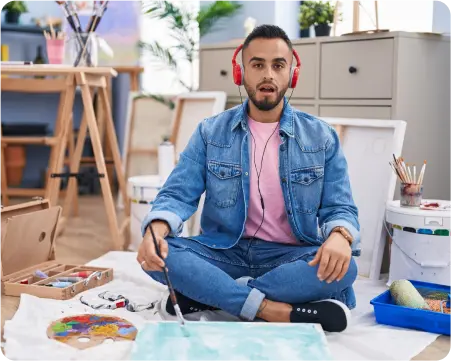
(420, 248)
(142, 191)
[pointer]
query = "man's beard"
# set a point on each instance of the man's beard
(265, 104)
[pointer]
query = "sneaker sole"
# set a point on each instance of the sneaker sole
(342, 305)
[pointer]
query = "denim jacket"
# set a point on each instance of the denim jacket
(313, 176)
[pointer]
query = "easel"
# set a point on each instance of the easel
(88, 80)
(45, 85)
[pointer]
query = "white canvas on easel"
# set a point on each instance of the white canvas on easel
(191, 109)
(368, 145)
(148, 121)
(146, 124)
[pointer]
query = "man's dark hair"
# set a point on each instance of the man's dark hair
(267, 32)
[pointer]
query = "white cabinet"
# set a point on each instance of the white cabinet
(391, 75)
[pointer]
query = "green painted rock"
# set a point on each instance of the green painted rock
(405, 294)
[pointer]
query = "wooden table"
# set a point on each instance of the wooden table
(89, 80)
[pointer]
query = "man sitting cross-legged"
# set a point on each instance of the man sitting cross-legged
(279, 224)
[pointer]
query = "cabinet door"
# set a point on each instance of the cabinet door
(356, 111)
(357, 69)
(310, 109)
(306, 85)
(216, 71)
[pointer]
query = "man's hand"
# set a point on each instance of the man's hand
(147, 256)
(333, 257)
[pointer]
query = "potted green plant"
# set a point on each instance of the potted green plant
(182, 21)
(319, 14)
(13, 11)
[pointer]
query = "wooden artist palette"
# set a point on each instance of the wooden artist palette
(88, 330)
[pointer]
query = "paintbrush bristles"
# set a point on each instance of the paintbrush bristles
(407, 174)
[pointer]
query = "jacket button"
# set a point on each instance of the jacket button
(284, 180)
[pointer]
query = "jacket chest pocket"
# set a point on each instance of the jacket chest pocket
(223, 183)
(307, 187)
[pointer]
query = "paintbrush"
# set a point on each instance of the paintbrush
(421, 176)
(96, 20)
(169, 284)
(74, 22)
(96, 16)
(70, 16)
(92, 18)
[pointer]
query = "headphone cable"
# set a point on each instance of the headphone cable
(261, 168)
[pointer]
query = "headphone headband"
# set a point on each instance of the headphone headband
(235, 54)
(298, 60)
(238, 70)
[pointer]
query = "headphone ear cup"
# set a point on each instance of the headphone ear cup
(238, 74)
(294, 77)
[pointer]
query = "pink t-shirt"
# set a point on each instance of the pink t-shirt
(275, 227)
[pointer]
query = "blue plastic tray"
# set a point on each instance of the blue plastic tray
(388, 313)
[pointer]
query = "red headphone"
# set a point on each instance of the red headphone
(238, 70)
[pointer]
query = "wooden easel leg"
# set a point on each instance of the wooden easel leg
(356, 16)
(112, 142)
(100, 161)
(108, 151)
(340, 132)
(71, 146)
(57, 160)
(75, 166)
(3, 178)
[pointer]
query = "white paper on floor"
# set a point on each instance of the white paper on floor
(363, 340)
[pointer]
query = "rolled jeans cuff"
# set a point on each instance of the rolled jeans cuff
(252, 304)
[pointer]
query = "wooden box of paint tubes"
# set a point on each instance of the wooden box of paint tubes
(28, 257)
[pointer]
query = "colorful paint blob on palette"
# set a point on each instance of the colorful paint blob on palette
(92, 325)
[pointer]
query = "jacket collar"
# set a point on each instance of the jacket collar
(286, 120)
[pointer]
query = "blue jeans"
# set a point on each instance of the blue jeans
(237, 280)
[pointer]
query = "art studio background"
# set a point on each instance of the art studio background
(378, 72)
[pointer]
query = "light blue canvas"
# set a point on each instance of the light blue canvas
(231, 340)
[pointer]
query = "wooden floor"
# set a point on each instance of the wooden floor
(87, 237)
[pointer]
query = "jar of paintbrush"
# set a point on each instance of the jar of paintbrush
(411, 186)
(83, 49)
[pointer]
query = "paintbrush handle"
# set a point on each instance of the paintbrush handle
(168, 282)
(165, 271)
(91, 23)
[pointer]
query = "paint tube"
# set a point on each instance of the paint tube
(112, 306)
(59, 284)
(40, 274)
(82, 274)
(119, 302)
(70, 279)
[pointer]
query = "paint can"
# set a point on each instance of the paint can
(142, 191)
(420, 248)
(166, 160)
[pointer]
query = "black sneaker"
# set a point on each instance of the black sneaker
(332, 315)
(186, 304)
